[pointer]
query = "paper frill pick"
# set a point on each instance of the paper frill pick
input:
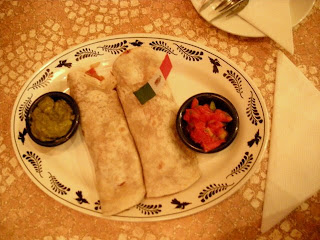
(154, 85)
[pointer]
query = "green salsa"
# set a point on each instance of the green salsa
(51, 119)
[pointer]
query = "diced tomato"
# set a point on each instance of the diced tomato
(197, 135)
(191, 115)
(194, 103)
(186, 116)
(199, 125)
(92, 72)
(206, 126)
(214, 125)
(221, 116)
(205, 109)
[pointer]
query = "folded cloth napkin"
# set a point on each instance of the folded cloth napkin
(294, 160)
(273, 18)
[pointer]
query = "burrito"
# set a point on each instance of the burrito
(168, 165)
(119, 178)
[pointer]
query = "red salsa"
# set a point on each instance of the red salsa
(92, 72)
(206, 124)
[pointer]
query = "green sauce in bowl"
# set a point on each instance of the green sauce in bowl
(51, 119)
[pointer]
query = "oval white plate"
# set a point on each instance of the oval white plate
(238, 26)
(65, 172)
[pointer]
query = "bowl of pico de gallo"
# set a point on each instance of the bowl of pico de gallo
(207, 122)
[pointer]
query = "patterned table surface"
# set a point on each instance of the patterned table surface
(34, 31)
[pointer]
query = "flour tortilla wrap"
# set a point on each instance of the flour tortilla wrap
(168, 166)
(115, 158)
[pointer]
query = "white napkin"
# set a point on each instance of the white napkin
(273, 18)
(294, 161)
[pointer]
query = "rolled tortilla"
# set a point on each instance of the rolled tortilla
(168, 165)
(115, 158)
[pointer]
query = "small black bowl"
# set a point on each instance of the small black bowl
(221, 103)
(55, 96)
